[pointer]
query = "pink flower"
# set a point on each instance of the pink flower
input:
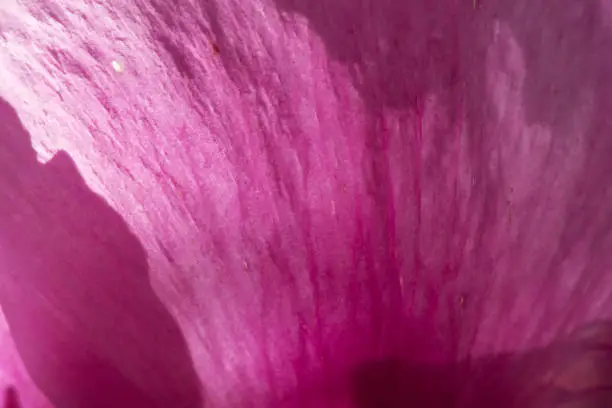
(300, 203)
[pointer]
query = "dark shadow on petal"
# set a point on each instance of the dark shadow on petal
(540, 378)
(75, 290)
(11, 398)
(571, 372)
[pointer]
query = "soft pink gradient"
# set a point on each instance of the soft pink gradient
(299, 203)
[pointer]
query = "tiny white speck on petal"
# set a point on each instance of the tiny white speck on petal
(117, 66)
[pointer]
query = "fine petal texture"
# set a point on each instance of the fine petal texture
(304, 203)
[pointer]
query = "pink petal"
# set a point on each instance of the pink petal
(301, 203)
